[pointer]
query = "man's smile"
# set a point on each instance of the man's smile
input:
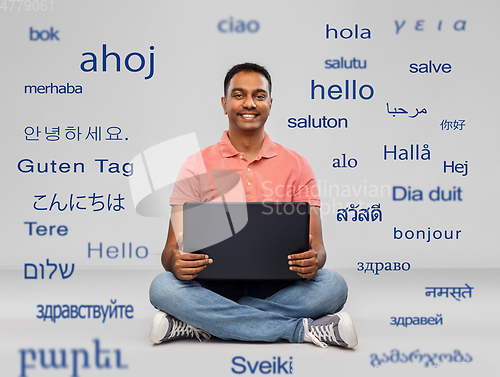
(248, 115)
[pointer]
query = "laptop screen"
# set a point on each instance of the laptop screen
(247, 241)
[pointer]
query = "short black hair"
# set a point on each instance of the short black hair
(246, 67)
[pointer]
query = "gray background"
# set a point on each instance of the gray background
(191, 59)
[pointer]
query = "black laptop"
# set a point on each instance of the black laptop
(247, 241)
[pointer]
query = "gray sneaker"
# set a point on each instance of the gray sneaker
(332, 329)
(166, 327)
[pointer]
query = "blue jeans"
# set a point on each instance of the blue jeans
(250, 311)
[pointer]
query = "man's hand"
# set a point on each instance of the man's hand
(306, 263)
(186, 266)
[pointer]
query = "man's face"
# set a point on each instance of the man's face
(248, 103)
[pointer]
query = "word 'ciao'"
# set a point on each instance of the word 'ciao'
(238, 26)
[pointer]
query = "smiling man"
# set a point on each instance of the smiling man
(300, 311)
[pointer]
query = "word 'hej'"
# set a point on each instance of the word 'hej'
(363, 215)
(456, 167)
(91, 65)
(73, 358)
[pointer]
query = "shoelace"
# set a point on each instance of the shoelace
(321, 331)
(180, 329)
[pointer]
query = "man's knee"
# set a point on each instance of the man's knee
(332, 278)
(336, 286)
(160, 288)
(338, 282)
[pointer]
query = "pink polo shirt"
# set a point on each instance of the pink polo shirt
(277, 174)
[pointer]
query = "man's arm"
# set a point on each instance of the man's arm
(306, 264)
(185, 266)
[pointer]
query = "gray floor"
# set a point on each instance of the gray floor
(470, 326)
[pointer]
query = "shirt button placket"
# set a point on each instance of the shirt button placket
(249, 184)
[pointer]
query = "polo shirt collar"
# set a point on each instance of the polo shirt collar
(268, 150)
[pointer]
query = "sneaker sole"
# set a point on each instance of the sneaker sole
(159, 328)
(346, 330)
